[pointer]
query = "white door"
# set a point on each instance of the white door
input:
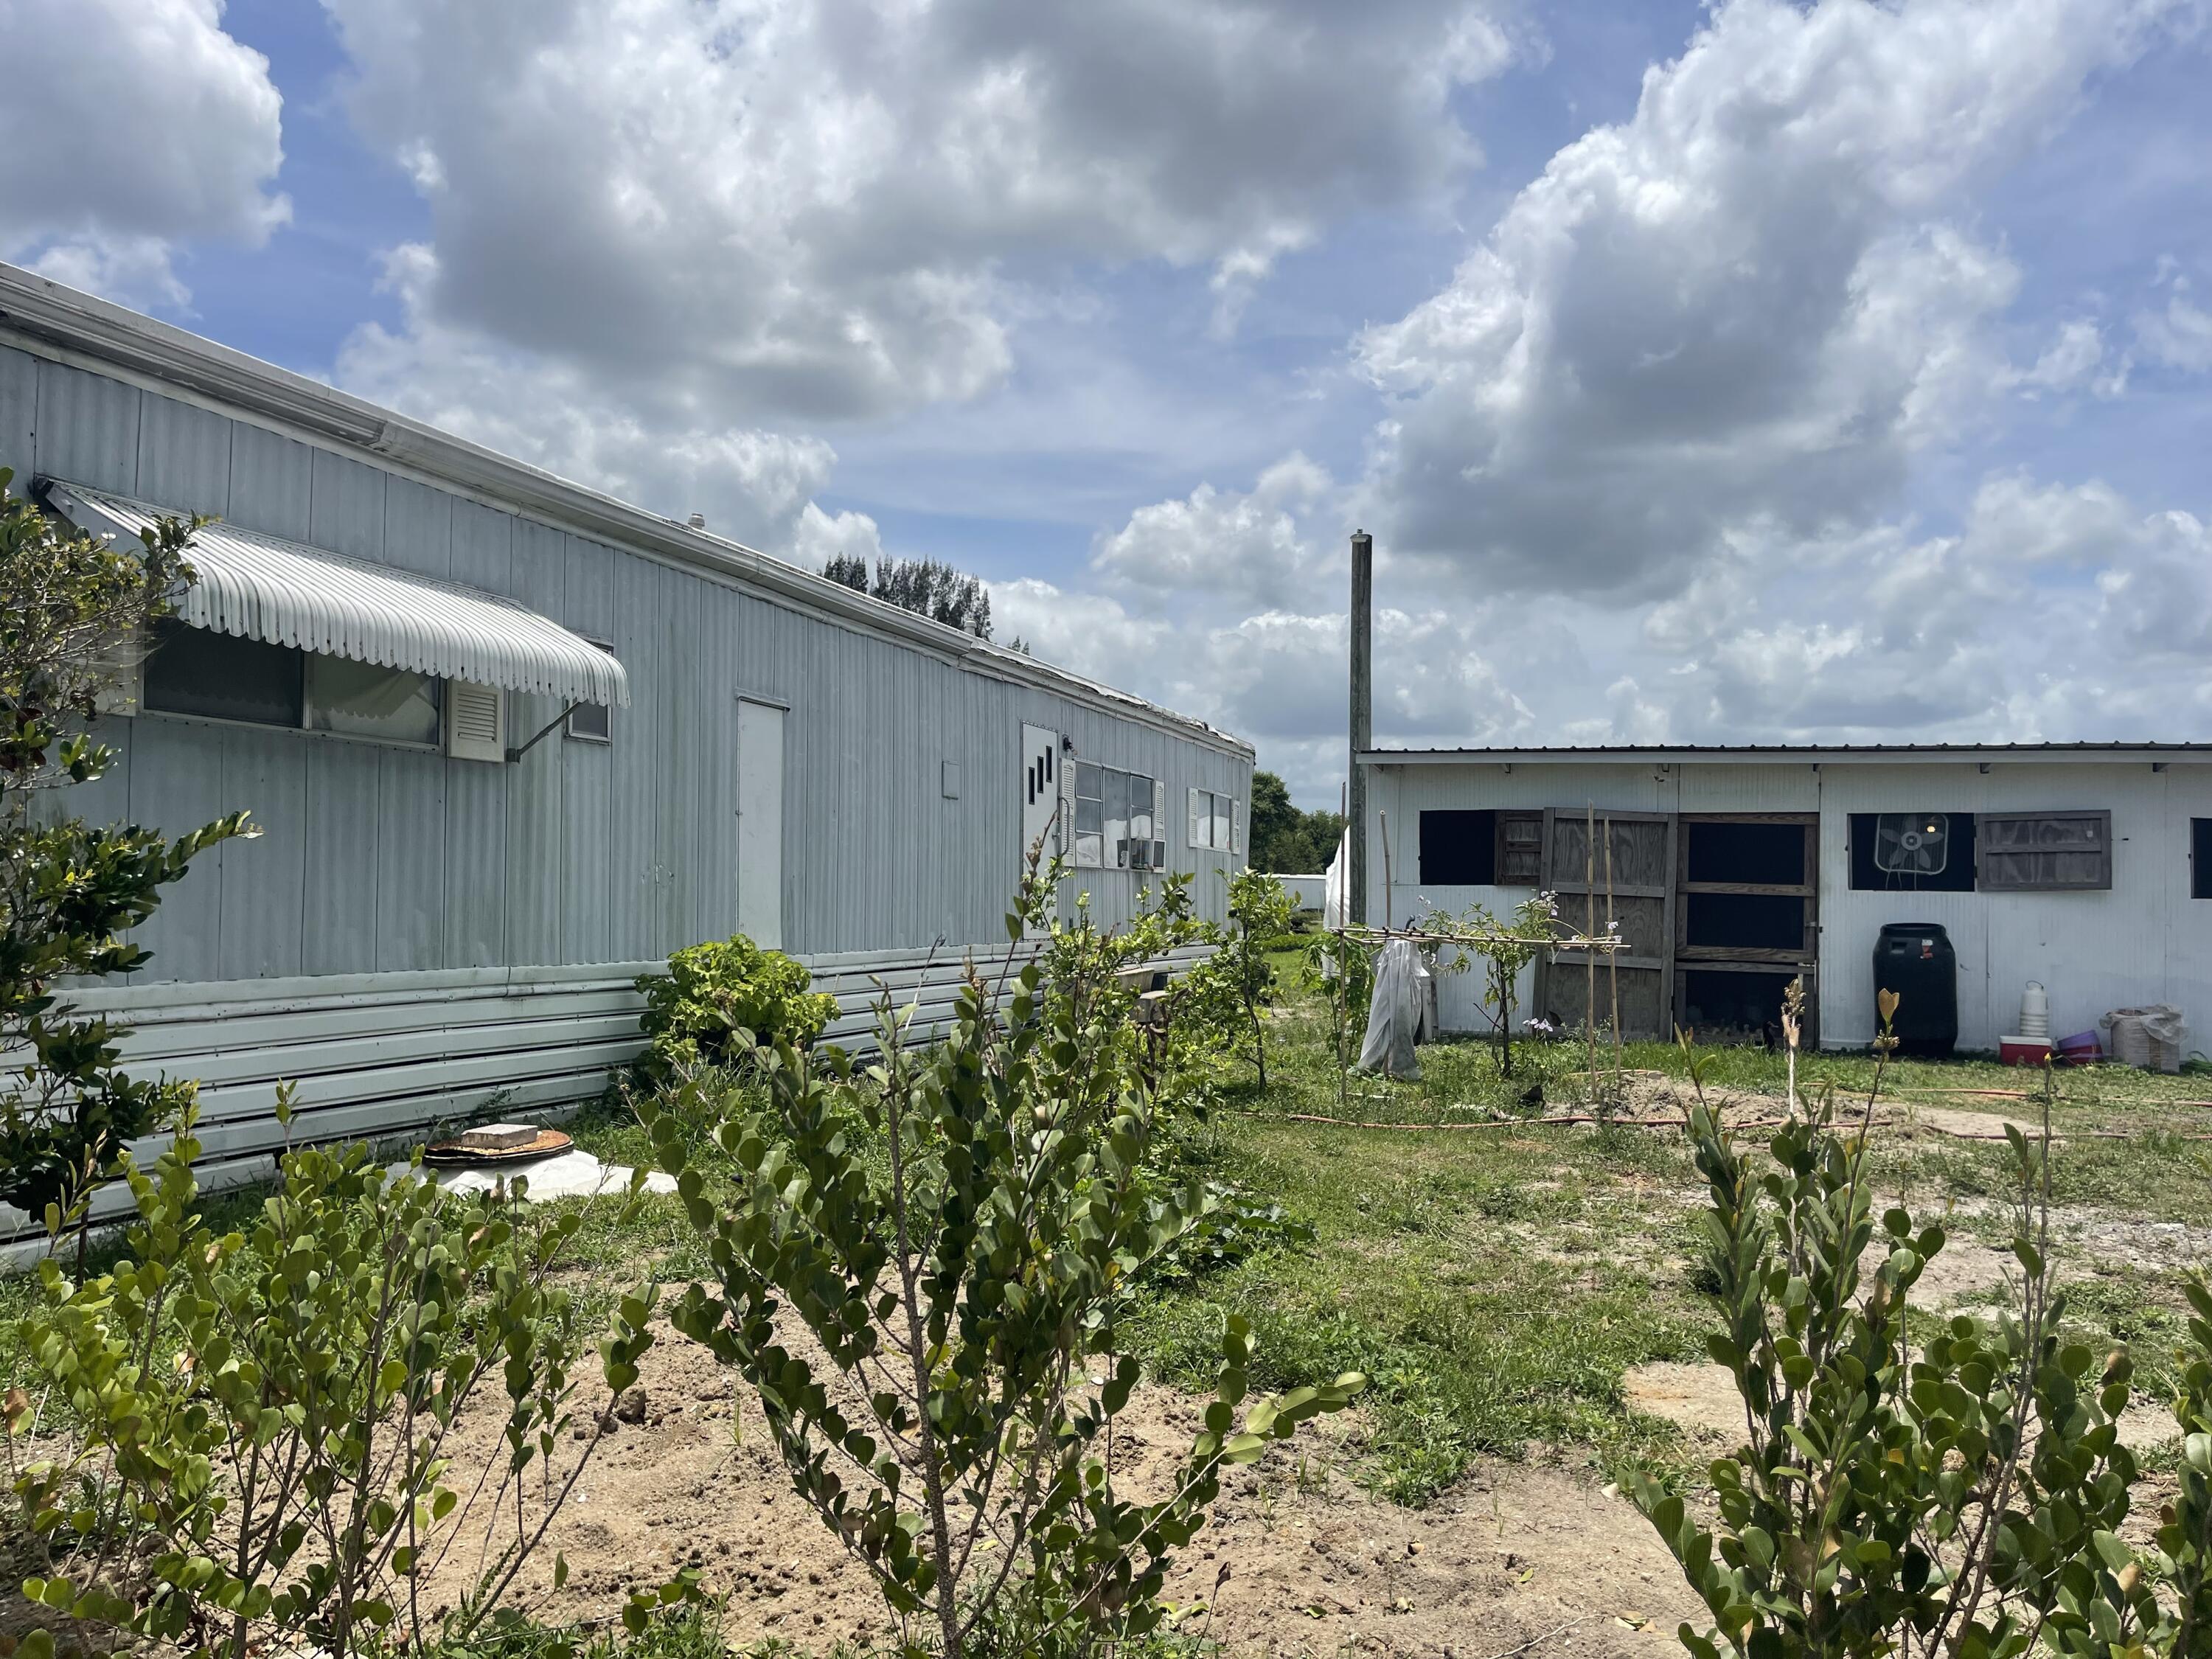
(760, 823)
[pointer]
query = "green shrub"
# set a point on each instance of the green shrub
(720, 999)
(264, 1455)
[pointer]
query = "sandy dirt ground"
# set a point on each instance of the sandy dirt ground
(1520, 1558)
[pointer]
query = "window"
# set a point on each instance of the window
(1912, 852)
(1520, 849)
(1117, 820)
(2200, 858)
(590, 722)
(2047, 852)
(1214, 822)
(1459, 848)
(195, 671)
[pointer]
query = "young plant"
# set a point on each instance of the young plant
(720, 999)
(1911, 1486)
(1505, 947)
(956, 1230)
(68, 605)
(265, 1454)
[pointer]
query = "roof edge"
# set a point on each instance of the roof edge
(41, 309)
(1790, 754)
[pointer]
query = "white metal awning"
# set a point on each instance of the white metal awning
(262, 587)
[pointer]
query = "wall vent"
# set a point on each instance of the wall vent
(475, 721)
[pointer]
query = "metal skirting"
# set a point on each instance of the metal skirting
(389, 1057)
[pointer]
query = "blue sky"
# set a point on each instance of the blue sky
(1753, 372)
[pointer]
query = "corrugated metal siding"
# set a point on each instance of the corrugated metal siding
(390, 1056)
(380, 859)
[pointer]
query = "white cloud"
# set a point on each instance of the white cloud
(1254, 546)
(1753, 303)
(131, 126)
(792, 209)
(2180, 337)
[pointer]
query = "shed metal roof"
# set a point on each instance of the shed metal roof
(262, 587)
(1786, 754)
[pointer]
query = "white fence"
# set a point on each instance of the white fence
(388, 1057)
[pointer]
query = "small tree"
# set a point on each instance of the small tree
(1506, 949)
(1955, 1487)
(959, 1232)
(1259, 912)
(69, 604)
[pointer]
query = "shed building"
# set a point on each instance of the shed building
(512, 741)
(1735, 869)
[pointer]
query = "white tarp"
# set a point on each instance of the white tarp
(1393, 1017)
(1335, 907)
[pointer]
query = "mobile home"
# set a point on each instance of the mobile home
(512, 741)
(1733, 871)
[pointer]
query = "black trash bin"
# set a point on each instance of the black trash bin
(1915, 960)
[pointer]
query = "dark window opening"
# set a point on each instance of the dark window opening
(1765, 854)
(1718, 1005)
(1746, 921)
(194, 670)
(2200, 858)
(1912, 852)
(1459, 849)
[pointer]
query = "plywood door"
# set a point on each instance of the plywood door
(1642, 901)
(760, 823)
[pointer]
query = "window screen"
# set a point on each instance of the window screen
(194, 670)
(361, 700)
(1459, 848)
(2200, 858)
(2047, 852)
(1212, 821)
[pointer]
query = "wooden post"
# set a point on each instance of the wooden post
(1613, 960)
(1589, 931)
(1362, 715)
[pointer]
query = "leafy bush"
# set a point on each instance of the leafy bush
(958, 1231)
(720, 999)
(68, 890)
(265, 1451)
(1951, 1487)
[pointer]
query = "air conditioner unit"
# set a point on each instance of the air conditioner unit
(475, 721)
(1911, 844)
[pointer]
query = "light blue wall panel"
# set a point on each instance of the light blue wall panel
(87, 429)
(106, 798)
(418, 528)
(272, 483)
(476, 864)
(411, 853)
(587, 780)
(635, 891)
(538, 578)
(184, 457)
(19, 416)
(482, 546)
(265, 880)
(686, 727)
(342, 865)
(176, 786)
(346, 514)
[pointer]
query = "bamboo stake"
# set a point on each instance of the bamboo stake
(1613, 961)
(1385, 817)
(1589, 926)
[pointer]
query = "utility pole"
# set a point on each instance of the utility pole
(1362, 710)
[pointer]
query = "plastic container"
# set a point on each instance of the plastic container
(2035, 1012)
(2023, 1050)
(1915, 959)
(2082, 1048)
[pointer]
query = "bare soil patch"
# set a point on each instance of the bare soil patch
(1298, 1559)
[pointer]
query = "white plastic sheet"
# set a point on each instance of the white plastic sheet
(1393, 1017)
(2152, 1037)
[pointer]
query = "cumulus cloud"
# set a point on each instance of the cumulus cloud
(1753, 303)
(1256, 545)
(2180, 336)
(793, 209)
(131, 126)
